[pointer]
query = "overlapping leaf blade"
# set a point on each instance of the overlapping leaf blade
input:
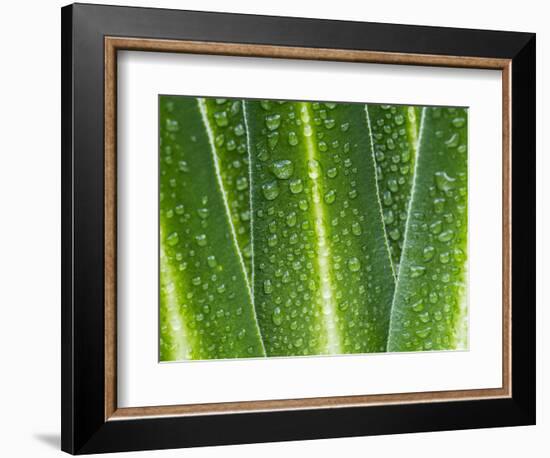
(395, 137)
(226, 121)
(430, 301)
(206, 309)
(322, 275)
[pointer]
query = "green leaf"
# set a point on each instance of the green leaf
(206, 309)
(395, 138)
(429, 306)
(226, 122)
(322, 275)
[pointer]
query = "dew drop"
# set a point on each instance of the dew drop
(241, 183)
(458, 254)
(329, 123)
(424, 317)
(436, 227)
(292, 138)
(219, 140)
(314, 169)
(183, 166)
(417, 271)
(423, 333)
(330, 196)
(239, 130)
(354, 264)
(203, 213)
(395, 234)
(392, 185)
(304, 114)
(291, 219)
(343, 305)
(356, 229)
(272, 240)
(272, 139)
(283, 169)
(273, 121)
(387, 198)
(211, 261)
(418, 306)
(173, 239)
(332, 172)
(459, 122)
(444, 182)
(452, 142)
(296, 186)
(439, 205)
(270, 190)
(446, 236)
(221, 119)
(277, 317)
(389, 217)
(428, 253)
(172, 125)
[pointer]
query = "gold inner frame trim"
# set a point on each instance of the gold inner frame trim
(114, 44)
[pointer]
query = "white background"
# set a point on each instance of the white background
(142, 381)
(30, 229)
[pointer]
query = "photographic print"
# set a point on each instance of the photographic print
(303, 228)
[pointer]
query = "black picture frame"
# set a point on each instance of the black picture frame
(84, 427)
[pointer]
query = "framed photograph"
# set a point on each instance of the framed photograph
(281, 228)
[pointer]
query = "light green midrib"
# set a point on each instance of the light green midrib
(406, 235)
(412, 132)
(461, 331)
(215, 159)
(461, 336)
(171, 306)
(333, 344)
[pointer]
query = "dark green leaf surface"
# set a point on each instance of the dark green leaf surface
(322, 275)
(206, 308)
(430, 297)
(226, 121)
(394, 134)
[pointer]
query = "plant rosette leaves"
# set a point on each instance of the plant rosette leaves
(284, 226)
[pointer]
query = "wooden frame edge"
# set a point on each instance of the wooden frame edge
(110, 200)
(111, 46)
